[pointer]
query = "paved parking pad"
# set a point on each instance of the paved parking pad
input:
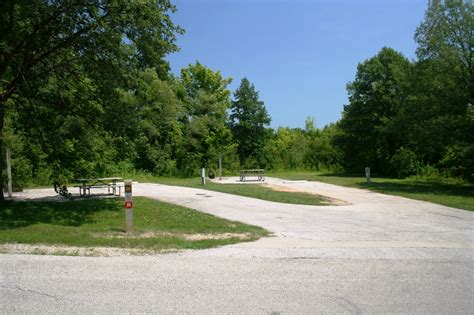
(379, 254)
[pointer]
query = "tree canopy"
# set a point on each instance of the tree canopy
(248, 122)
(85, 91)
(404, 115)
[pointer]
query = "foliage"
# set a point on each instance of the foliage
(85, 91)
(369, 132)
(446, 86)
(402, 115)
(58, 61)
(207, 100)
(158, 134)
(404, 163)
(248, 122)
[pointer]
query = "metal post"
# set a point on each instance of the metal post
(9, 172)
(367, 174)
(203, 176)
(220, 166)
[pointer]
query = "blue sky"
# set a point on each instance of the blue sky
(299, 54)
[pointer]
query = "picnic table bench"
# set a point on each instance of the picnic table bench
(258, 173)
(113, 184)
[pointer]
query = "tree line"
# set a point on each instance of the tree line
(406, 116)
(86, 91)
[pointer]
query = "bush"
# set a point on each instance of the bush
(429, 172)
(404, 163)
(458, 161)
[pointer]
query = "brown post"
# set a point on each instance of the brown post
(128, 206)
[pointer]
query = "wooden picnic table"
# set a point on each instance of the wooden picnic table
(111, 183)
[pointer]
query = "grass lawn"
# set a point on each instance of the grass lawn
(257, 191)
(449, 193)
(101, 222)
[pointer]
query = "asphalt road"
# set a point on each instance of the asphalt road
(380, 254)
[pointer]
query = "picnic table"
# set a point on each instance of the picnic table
(258, 173)
(113, 184)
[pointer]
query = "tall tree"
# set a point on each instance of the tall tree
(375, 97)
(447, 35)
(207, 99)
(445, 85)
(156, 111)
(77, 41)
(248, 121)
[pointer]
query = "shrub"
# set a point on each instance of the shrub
(404, 163)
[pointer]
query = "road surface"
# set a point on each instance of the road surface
(378, 254)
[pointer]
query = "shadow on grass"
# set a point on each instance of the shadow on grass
(410, 186)
(419, 187)
(14, 214)
(345, 175)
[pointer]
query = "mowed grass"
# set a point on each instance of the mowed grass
(257, 191)
(101, 222)
(449, 193)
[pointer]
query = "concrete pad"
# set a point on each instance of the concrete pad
(380, 254)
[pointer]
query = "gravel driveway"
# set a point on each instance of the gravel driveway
(378, 254)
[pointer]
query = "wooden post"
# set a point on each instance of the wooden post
(128, 206)
(9, 171)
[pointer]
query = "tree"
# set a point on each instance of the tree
(158, 132)
(206, 98)
(248, 120)
(198, 77)
(320, 152)
(445, 85)
(369, 137)
(40, 40)
(446, 35)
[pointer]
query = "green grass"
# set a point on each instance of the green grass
(257, 191)
(101, 222)
(451, 193)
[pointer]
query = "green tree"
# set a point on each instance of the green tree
(446, 35)
(248, 121)
(197, 77)
(320, 152)
(286, 149)
(158, 133)
(368, 134)
(86, 43)
(206, 98)
(444, 87)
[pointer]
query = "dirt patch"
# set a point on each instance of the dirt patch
(60, 250)
(77, 251)
(326, 200)
(221, 236)
(187, 237)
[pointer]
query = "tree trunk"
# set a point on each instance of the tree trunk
(2, 119)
